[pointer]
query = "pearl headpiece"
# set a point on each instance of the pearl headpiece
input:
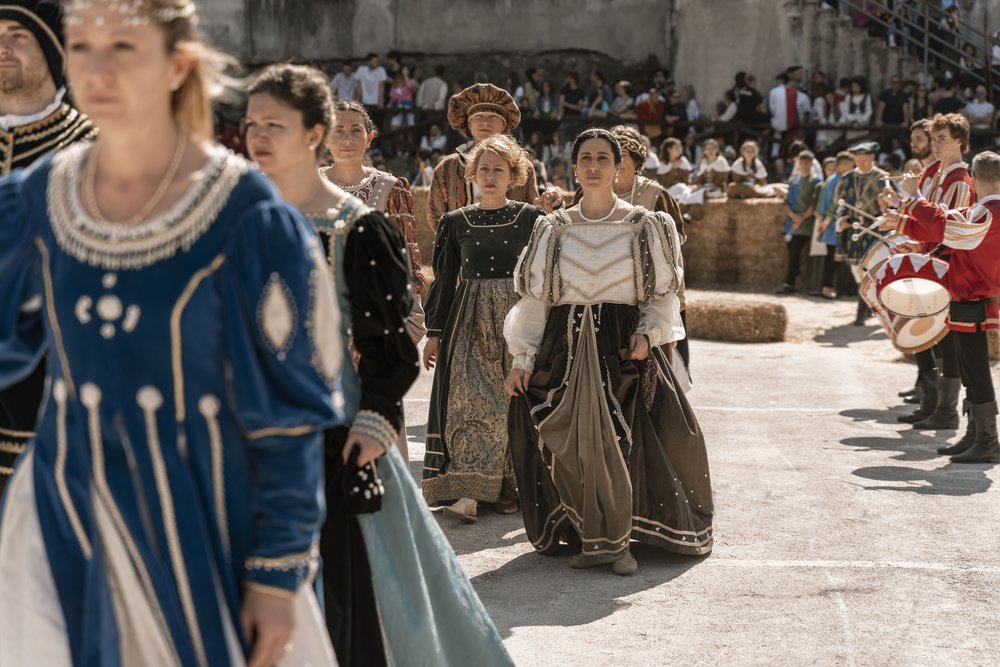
(129, 12)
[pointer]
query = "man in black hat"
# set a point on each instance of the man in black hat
(35, 119)
(860, 188)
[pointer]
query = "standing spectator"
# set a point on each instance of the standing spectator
(749, 101)
(649, 112)
(971, 70)
(893, 105)
(532, 90)
(920, 104)
(401, 97)
(691, 108)
(514, 87)
(789, 109)
(548, 102)
(857, 108)
(623, 106)
(600, 103)
(662, 82)
(951, 101)
(817, 85)
(826, 223)
(345, 84)
(572, 101)
(980, 113)
(826, 111)
(433, 93)
(434, 139)
(674, 111)
(800, 205)
(425, 171)
(372, 78)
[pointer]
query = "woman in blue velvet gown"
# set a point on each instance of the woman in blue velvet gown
(394, 591)
(168, 510)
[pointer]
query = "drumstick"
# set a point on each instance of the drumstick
(878, 237)
(857, 210)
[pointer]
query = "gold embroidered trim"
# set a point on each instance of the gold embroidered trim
(175, 332)
(116, 247)
(281, 432)
(22, 435)
(4, 470)
(210, 406)
(269, 590)
(284, 563)
(53, 318)
(91, 398)
(150, 400)
(706, 531)
(374, 425)
(14, 448)
(59, 393)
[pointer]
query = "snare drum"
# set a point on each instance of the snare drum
(879, 252)
(912, 285)
(909, 335)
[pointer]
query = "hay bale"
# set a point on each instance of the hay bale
(738, 321)
(994, 338)
(737, 244)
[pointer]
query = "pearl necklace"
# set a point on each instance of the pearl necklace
(607, 217)
(359, 185)
(90, 187)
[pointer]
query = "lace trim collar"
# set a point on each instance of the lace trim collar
(115, 247)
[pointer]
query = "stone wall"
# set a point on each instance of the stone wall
(267, 30)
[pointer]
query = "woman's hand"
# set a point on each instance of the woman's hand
(369, 448)
(431, 348)
(517, 382)
(549, 201)
(268, 623)
(638, 346)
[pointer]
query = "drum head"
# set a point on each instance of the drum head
(916, 334)
(914, 297)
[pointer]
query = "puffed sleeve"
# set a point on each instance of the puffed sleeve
(659, 307)
(524, 325)
(399, 208)
(447, 260)
(378, 275)
(22, 334)
(284, 355)
(437, 197)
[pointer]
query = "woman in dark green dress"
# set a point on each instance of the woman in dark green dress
(475, 251)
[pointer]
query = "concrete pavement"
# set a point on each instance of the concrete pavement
(841, 538)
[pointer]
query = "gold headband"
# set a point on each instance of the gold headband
(130, 12)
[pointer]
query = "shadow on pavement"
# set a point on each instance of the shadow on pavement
(550, 593)
(846, 334)
(911, 445)
(952, 479)
(882, 416)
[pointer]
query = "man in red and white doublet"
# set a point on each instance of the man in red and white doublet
(973, 279)
(946, 183)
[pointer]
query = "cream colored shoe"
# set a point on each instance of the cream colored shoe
(463, 509)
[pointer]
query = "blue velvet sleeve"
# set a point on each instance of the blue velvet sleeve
(283, 340)
(22, 333)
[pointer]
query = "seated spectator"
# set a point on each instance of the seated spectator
(433, 93)
(674, 111)
(434, 139)
(652, 165)
(600, 103)
(920, 104)
(894, 148)
(675, 169)
(548, 102)
(748, 176)
(425, 172)
(345, 84)
(515, 88)
(713, 170)
(623, 106)
(649, 112)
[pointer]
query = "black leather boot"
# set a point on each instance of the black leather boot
(945, 416)
(863, 313)
(987, 446)
(968, 439)
(928, 381)
(912, 390)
